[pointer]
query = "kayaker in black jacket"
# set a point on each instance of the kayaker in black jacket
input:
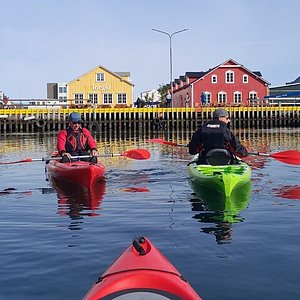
(214, 141)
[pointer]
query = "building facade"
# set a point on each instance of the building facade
(56, 92)
(229, 83)
(288, 94)
(101, 87)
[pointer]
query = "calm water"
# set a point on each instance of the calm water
(54, 243)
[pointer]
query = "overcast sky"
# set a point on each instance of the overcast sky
(56, 41)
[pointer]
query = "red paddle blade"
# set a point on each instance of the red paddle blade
(16, 162)
(289, 157)
(159, 141)
(137, 154)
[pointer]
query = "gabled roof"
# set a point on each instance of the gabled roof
(116, 74)
(231, 62)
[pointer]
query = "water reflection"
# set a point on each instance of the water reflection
(76, 201)
(288, 192)
(219, 210)
(8, 191)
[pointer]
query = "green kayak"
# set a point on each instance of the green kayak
(223, 179)
(222, 209)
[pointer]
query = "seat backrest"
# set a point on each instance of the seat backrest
(218, 157)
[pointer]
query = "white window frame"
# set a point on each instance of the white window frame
(121, 98)
(93, 98)
(208, 97)
(107, 98)
(252, 95)
(79, 101)
(222, 97)
(229, 76)
(78, 97)
(237, 96)
(245, 78)
(214, 79)
(100, 77)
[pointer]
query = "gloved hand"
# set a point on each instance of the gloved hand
(94, 152)
(66, 154)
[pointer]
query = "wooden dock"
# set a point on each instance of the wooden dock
(145, 119)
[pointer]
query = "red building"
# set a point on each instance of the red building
(229, 83)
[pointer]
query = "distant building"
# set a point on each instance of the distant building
(229, 83)
(288, 94)
(48, 104)
(151, 97)
(58, 92)
(101, 87)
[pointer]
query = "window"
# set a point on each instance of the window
(62, 89)
(78, 98)
(214, 79)
(252, 95)
(208, 97)
(229, 77)
(100, 77)
(122, 98)
(221, 97)
(237, 97)
(107, 98)
(245, 79)
(93, 98)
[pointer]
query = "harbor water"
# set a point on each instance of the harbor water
(55, 241)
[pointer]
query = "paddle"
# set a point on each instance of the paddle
(291, 157)
(139, 154)
(163, 142)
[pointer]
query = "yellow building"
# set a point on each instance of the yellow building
(101, 87)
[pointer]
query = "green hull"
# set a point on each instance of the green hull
(221, 179)
(222, 208)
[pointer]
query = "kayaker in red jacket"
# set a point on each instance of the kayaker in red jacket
(215, 142)
(76, 140)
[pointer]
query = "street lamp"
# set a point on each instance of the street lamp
(170, 35)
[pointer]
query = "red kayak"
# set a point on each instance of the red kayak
(78, 197)
(141, 272)
(79, 172)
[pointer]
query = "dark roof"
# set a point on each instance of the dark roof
(257, 73)
(297, 80)
(195, 74)
(123, 74)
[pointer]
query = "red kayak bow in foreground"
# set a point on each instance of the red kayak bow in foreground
(141, 272)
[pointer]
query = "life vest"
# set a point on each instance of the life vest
(213, 135)
(76, 141)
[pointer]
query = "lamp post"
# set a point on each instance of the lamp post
(170, 35)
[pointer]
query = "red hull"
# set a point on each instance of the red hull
(83, 198)
(79, 172)
(139, 272)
